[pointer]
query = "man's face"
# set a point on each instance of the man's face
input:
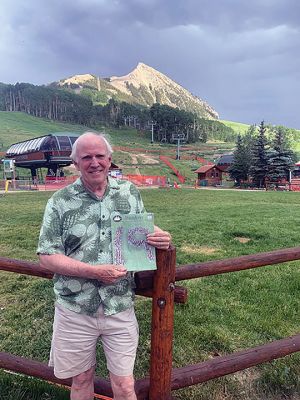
(93, 162)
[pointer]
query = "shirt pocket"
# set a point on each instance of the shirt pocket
(122, 205)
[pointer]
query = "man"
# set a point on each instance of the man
(94, 298)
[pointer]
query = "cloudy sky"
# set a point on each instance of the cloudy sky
(241, 56)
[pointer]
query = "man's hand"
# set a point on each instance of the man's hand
(110, 273)
(159, 238)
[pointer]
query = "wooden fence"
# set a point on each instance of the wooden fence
(160, 285)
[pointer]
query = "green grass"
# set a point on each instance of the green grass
(236, 126)
(224, 313)
(129, 138)
(16, 127)
(21, 388)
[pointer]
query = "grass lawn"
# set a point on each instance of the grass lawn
(17, 126)
(224, 313)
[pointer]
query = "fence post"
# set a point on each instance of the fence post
(162, 325)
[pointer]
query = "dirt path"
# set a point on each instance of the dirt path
(148, 159)
(138, 159)
(144, 158)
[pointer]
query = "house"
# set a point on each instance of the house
(296, 171)
(209, 175)
(295, 178)
(225, 161)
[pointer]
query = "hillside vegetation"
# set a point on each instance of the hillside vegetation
(137, 156)
(116, 101)
(238, 127)
(16, 127)
(133, 151)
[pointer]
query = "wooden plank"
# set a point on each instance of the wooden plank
(144, 279)
(162, 325)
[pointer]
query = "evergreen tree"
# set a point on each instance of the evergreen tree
(240, 168)
(281, 158)
(260, 159)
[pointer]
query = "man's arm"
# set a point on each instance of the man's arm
(61, 264)
(159, 238)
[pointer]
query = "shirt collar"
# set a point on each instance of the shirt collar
(112, 183)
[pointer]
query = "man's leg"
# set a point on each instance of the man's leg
(73, 351)
(123, 387)
(120, 340)
(83, 385)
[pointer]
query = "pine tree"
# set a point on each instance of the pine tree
(239, 170)
(260, 160)
(280, 158)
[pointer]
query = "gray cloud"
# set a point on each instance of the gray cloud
(240, 56)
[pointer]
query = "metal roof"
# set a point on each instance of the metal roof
(33, 145)
(26, 146)
(225, 159)
(205, 168)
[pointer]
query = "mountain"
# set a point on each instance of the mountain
(91, 86)
(149, 86)
(144, 85)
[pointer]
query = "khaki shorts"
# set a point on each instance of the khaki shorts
(75, 336)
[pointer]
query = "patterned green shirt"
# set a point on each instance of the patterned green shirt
(77, 224)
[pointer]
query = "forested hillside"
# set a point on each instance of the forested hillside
(64, 105)
(61, 104)
(46, 102)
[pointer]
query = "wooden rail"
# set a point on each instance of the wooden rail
(224, 365)
(220, 366)
(144, 279)
(181, 377)
(34, 269)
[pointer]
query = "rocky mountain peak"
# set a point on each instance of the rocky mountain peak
(154, 87)
(143, 85)
(142, 75)
(80, 79)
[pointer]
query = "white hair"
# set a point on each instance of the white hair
(73, 154)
